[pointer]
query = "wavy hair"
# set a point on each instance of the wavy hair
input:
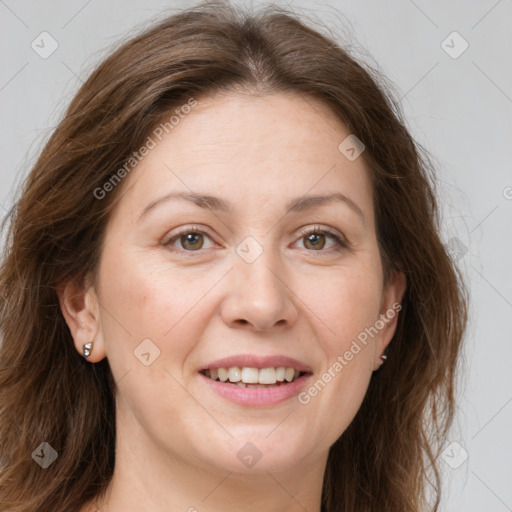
(386, 460)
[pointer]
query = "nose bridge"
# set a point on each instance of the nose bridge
(258, 274)
(256, 267)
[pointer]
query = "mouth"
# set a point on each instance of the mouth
(256, 378)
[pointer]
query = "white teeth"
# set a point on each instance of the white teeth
(250, 375)
(268, 376)
(235, 374)
(253, 377)
(289, 374)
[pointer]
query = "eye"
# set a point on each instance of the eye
(316, 238)
(189, 239)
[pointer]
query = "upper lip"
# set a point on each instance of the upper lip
(253, 361)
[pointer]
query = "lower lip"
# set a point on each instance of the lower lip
(253, 397)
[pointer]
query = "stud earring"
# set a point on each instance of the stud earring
(87, 349)
(383, 357)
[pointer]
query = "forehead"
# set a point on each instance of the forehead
(247, 148)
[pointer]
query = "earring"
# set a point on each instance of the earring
(383, 358)
(87, 349)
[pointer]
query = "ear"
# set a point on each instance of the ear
(80, 308)
(390, 307)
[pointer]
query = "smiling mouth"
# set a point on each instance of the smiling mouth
(247, 377)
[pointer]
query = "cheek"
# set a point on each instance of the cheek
(146, 298)
(343, 303)
(153, 309)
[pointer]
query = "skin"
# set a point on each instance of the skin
(177, 441)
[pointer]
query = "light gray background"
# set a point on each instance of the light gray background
(459, 108)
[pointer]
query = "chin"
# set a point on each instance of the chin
(256, 451)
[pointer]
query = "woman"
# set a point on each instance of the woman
(223, 286)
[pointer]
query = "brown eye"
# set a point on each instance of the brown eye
(314, 241)
(192, 241)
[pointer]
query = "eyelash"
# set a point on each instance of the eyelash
(342, 243)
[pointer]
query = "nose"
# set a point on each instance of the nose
(258, 296)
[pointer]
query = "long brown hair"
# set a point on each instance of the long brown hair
(48, 393)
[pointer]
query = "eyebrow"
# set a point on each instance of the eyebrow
(298, 204)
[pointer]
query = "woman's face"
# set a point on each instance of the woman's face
(211, 253)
